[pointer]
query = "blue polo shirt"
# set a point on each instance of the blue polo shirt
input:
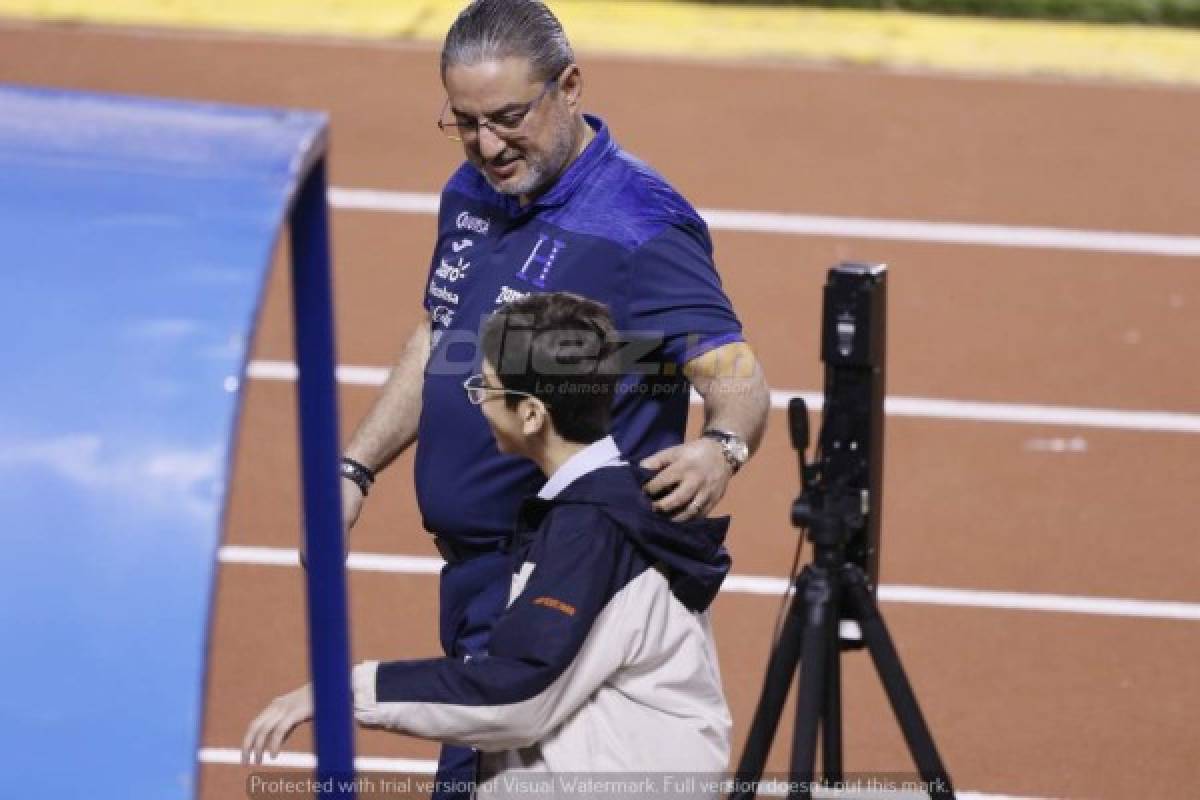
(610, 229)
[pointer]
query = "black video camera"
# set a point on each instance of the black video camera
(842, 492)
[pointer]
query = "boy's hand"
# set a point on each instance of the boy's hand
(271, 728)
(696, 475)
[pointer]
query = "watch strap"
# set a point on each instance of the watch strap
(731, 444)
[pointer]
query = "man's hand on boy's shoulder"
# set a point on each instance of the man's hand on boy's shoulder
(691, 480)
(695, 475)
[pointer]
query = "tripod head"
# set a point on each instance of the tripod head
(828, 518)
(841, 488)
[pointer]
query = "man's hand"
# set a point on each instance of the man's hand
(271, 728)
(352, 503)
(694, 475)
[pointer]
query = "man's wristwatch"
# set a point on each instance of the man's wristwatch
(362, 475)
(734, 447)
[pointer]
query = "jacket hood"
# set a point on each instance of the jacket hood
(693, 553)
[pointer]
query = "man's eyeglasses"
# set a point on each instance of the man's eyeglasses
(478, 389)
(506, 122)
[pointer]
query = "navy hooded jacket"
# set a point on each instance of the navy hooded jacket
(604, 658)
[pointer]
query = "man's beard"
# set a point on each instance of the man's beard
(541, 168)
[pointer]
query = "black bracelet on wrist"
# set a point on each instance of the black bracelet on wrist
(362, 475)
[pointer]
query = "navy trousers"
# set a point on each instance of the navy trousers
(473, 593)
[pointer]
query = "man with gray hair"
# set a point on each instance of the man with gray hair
(547, 201)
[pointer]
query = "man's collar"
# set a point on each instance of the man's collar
(578, 170)
(603, 453)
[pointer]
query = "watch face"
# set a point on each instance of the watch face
(736, 450)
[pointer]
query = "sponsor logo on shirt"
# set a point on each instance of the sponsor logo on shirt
(452, 272)
(508, 295)
(470, 222)
(442, 293)
(556, 604)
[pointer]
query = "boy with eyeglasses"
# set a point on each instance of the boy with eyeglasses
(603, 661)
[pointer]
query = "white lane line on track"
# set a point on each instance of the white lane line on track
(229, 755)
(1169, 421)
(929, 408)
(851, 227)
(774, 587)
(410, 766)
(287, 371)
(366, 562)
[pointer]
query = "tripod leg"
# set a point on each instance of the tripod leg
(780, 669)
(895, 683)
(810, 701)
(831, 711)
(831, 718)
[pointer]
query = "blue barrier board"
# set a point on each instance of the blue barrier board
(135, 240)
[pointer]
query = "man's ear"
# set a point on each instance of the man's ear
(534, 416)
(572, 87)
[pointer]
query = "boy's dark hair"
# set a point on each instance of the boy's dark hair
(488, 30)
(560, 348)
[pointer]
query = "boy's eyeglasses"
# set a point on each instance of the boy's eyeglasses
(502, 123)
(478, 389)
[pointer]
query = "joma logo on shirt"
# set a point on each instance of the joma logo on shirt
(556, 604)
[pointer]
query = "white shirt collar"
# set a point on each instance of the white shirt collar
(603, 453)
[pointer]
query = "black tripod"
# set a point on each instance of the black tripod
(826, 591)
